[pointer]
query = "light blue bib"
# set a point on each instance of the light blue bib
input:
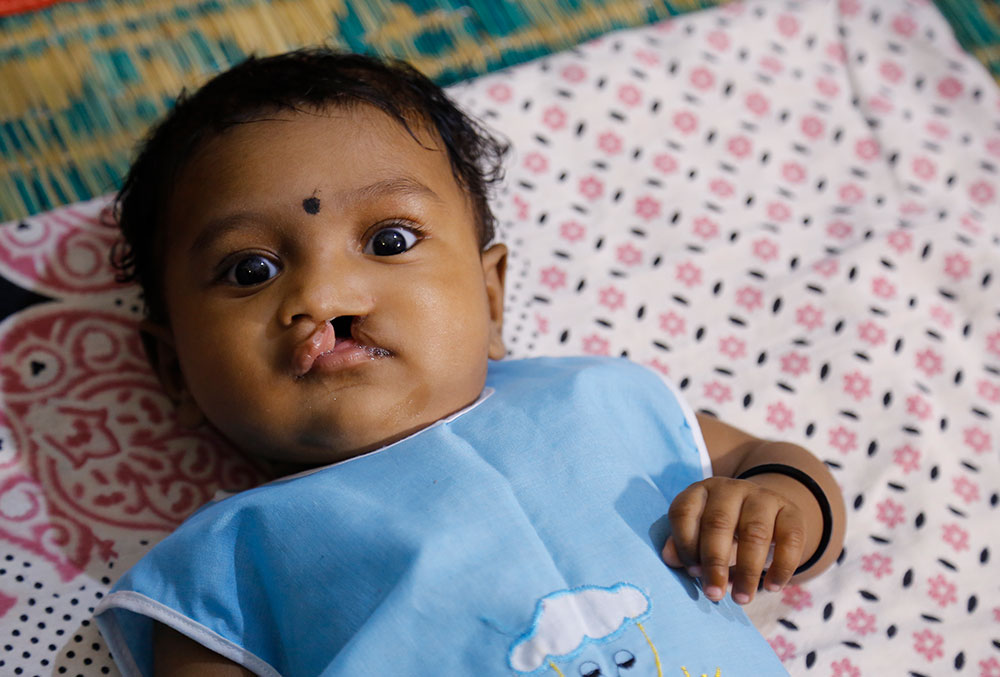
(520, 536)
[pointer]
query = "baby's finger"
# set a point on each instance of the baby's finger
(754, 534)
(685, 517)
(718, 527)
(789, 541)
(670, 556)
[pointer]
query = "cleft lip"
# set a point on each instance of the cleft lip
(335, 342)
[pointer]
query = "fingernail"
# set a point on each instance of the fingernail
(741, 598)
(772, 587)
(714, 593)
(694, 571)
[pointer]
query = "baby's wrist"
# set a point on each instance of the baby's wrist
(800, 489)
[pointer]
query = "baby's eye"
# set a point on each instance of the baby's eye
(391, 240)
(251, 270)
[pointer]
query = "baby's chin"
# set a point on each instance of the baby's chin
(311, 452)
(325, 436)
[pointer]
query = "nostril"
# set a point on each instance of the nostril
(342, 326)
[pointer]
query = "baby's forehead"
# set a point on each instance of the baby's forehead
(314, 159)
(329, 132)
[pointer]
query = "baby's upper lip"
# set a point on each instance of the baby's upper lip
(323, 340)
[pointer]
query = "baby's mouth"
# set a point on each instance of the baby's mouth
(334, 345)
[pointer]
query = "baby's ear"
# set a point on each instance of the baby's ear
(159, 344)
(494, 270)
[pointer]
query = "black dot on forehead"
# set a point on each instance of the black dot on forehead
(311, 205)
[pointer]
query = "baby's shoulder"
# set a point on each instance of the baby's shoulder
(556, 368)
(577, 374)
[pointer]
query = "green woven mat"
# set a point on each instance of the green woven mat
(81, 81)
(977, 26)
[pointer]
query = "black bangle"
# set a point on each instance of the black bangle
(817, 492)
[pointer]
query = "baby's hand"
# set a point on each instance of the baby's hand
(705, 519)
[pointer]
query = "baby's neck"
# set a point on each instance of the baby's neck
(275, 470)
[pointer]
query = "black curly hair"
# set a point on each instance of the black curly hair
(303, 79)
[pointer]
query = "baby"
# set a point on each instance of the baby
(313, 238)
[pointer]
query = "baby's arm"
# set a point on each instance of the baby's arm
(771, 506)
(175, 655)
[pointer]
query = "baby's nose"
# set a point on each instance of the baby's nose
(319, 298)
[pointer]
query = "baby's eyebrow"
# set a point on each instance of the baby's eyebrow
(217, 228)
(404, 186)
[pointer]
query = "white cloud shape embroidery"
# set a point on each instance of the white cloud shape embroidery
(565, 619)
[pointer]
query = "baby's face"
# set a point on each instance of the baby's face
(325, 288)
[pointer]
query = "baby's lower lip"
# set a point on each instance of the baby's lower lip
(347, 353)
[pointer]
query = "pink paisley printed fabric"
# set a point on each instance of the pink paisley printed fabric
(792, 209)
